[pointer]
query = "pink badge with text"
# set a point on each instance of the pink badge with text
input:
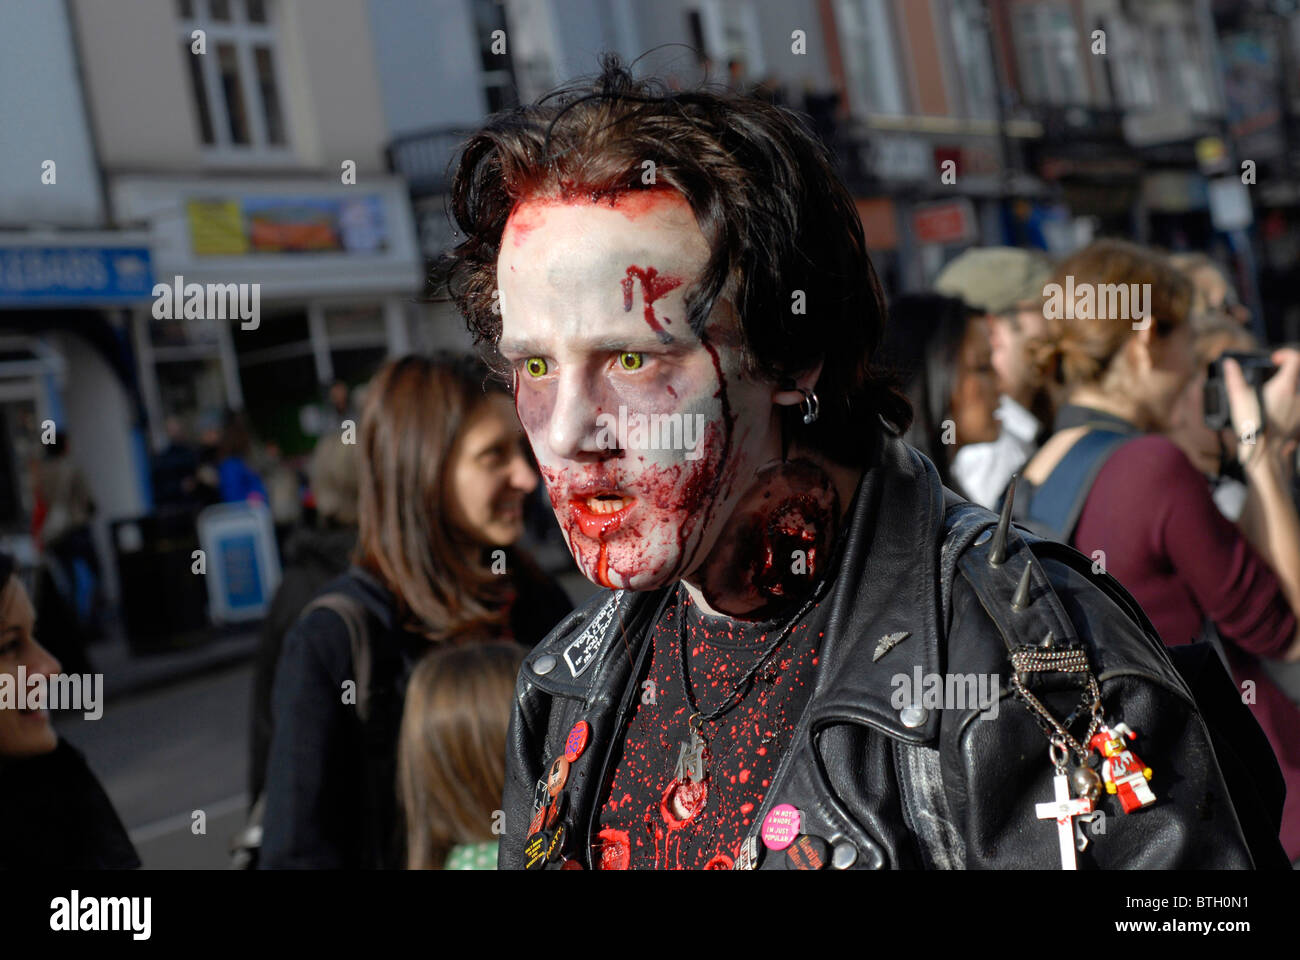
(780, 827)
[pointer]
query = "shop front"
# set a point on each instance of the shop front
(322, 282)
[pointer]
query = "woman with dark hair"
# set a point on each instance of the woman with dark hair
(57, 816)
(941, 350)
(1111, 483)
(443, 482)
(451, 755)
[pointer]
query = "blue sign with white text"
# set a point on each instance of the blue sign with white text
(69, 276)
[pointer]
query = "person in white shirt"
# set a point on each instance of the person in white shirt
(1006, 285)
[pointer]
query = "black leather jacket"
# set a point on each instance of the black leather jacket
(897, 788)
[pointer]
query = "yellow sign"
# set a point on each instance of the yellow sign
(217, 228)
(1211, 155)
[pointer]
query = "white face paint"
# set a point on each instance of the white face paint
(593, 296)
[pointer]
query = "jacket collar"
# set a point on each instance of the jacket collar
(881, 616)
(882, 595)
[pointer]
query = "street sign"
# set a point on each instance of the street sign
(243, 562)
(41, 276)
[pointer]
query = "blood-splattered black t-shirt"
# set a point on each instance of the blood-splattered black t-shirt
(639, 829)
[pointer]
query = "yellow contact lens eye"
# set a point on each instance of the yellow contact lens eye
(535, 366)
(630, 361)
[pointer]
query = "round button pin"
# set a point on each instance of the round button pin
(780, 827)
(577, 741)
(556, 846)
(555, 810)
(572, 865)
(538, 821)
(536, 850)
(809, 852)
(558, 777)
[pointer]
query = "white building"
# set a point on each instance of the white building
(66, 280)
(246, 138)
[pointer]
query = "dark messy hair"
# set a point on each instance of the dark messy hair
(780, 225)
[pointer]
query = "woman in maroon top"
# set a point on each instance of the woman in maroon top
(1148, 517)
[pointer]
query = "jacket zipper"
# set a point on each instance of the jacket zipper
(619, 721)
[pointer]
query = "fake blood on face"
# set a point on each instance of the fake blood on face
(529, 211)
(653, 286)
(648, 536)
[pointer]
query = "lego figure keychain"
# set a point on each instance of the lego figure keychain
(1122, 770)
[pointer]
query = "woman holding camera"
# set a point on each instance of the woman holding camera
(1110, 483)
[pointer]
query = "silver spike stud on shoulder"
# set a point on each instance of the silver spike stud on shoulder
(1021, 598)
(1049, 640)
(998, 550)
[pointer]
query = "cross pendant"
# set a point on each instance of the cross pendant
(1062, 809)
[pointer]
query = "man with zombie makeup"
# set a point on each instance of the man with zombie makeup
(667, 261)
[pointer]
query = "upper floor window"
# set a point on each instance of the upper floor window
(974, 59)
(1130, 66)
(869, 44)
(236, 82)
(1047, 43)
(500, 86)
(1183, 66)
(732, 38)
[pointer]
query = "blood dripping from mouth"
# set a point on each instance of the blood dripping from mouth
(602, 566)
(669, 498)
(653, 286)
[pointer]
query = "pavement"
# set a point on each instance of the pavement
(128, 673)
(174, 761)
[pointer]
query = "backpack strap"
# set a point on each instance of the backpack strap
(246, 844)
(1053, 507)
(354, 618)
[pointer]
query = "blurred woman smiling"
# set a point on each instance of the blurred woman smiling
(59, 815)
(444, 477)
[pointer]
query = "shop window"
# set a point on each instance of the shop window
(192, 390)
(358, 341)
(277, 329)
(357, 366)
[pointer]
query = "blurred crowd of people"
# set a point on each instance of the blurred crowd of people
(1107, 418)
(386, 664)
